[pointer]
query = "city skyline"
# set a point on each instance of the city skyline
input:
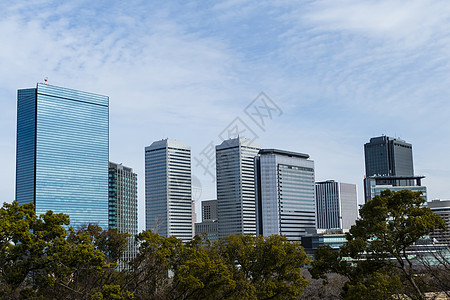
(339, 72)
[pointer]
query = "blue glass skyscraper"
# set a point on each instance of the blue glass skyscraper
(62, 152)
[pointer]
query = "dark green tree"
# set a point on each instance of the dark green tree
(265, 267)
(378, 246)
(29, 246)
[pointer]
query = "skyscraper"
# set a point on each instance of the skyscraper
(236, 187)
(62, 152)
(123, 204)
(389, 165)
(387, 156)
(285, 202)
(168, 193)
(337, 205)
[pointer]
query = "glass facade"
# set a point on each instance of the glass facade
(123, 205)
(285, 193)
(62, 153)
(386, 156)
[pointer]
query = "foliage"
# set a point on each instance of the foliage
(42, 258)
(376, 258)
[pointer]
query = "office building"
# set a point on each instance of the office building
(285, 202)
(313, 239)
(168, 193)
(441, 208)
(62, 153)
(208, 226)
(123, 205)
(337, 205)
(236, 186)
(386, 156)
(374, 185)
(389, 165)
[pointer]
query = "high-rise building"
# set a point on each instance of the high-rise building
(389, 165)
(387, 156)
(337, 205)
(123, 205)
(62, 153)
(285, 202)
(168, 192)
(441, 208)
(209, 223)
(236, 186)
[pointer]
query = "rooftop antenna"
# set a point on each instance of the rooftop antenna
(45, 80)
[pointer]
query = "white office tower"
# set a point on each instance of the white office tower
(285, 193)
(236, 186)
(168, 194)
(337, 205)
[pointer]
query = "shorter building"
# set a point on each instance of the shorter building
(336, 204)
(209, 224)
(441, 208)
(285, 200)
(334, 238)
(374, 185)
(123, 205)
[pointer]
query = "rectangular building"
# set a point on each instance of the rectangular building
(236, 187)
(387, 156)
(168, 192)
(62, 153)
(209, 224)
(442, 209)
(285, 200)
(374, 185)
(336, 204)
(123, 205)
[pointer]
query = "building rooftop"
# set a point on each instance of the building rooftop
(283, 152)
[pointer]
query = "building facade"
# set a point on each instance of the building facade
(285, 200)
(62, 153)
(336, 204)
(441, 208)
(168, 192)
(236, 186)
(123, 205)
(208, 225)
(389, 165)
(374, 185)
(387, 156)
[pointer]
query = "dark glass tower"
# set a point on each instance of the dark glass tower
(62, 153)
(386, 156)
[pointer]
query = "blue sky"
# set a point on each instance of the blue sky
(340, 72)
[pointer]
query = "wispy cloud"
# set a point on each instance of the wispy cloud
(342, 71)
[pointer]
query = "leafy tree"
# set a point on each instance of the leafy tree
(378, 245)
(265, 267)
(149, 271)
(29, 246)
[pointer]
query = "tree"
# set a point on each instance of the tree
(379, 244)
(28, 248)
(39, 259)
(265, 267)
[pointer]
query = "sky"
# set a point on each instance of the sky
(316, 77)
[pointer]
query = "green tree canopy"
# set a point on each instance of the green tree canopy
(379, 243)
